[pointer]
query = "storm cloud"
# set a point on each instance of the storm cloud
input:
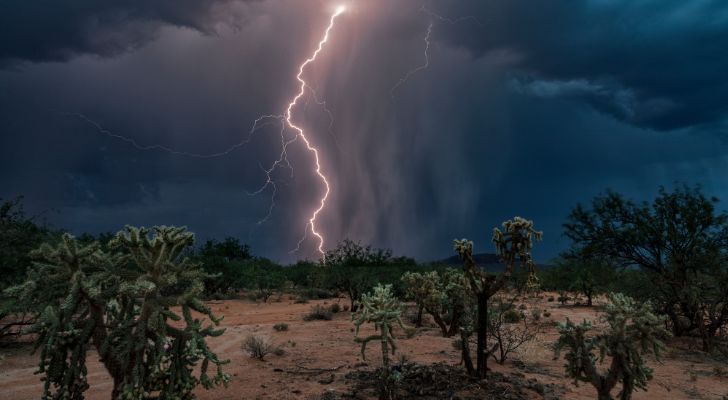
(525, 108)
(47, 30)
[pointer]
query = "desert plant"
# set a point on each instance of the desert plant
(258, 347)
(335, 308)
(510, 330)
(318, 312)
(633, 330)
(280, 327)
(675, 246)
(511, 316)
(382, 309)
(120, 301)
(513, 244)
(444, 296)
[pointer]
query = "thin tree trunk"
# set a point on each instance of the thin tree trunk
(465, 350)
(482, 356)
(418, 322)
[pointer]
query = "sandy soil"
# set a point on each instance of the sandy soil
(683, 373)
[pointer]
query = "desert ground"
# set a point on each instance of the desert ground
(320, 354)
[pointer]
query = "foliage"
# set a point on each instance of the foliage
(584, 276)
(354, 254)
(19, 234)
(318, 312)
(443, 295)
(382, 309)
(120, 301)
(258, 347)
(354, 269)
(222, 261)
(280, 327)
(678, 242)
(512, 244)
(633, 330)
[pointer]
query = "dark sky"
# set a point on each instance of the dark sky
(525, 108)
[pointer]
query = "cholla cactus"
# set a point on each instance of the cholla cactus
(633, 331)
(513, 243)
(517, 241)
(383, 310)
(120, 302)
(439, 295)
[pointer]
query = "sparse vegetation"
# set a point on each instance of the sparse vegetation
(258, 347)
(509, 329)
(633, 330)
(140, 290)
(318, 313)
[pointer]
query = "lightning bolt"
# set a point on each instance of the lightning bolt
(451, 21)
(286, 120)
(433, 15)
(415, 70)
(302, 134)
(257, 124)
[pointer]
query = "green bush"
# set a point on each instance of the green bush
(318, 312)
(512, 316)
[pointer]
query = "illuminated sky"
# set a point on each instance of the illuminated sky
(526, 108)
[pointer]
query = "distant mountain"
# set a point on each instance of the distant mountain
(488, 261)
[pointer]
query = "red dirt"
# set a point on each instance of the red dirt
(683, 374)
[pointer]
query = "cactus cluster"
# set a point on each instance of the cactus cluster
(121, 302)
(633, 330)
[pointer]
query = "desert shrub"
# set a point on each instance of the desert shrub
(444, 296)
(318, 312)
(509, 329)
(546, 314)
(346, 307)
(550, 299)
(221, 261)
(280, 327)
(354, 269)
(257, 347)
(335, 308)
(19, 234)
(633, 330)
(301, 300)
(119, 298)
(512, 316)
